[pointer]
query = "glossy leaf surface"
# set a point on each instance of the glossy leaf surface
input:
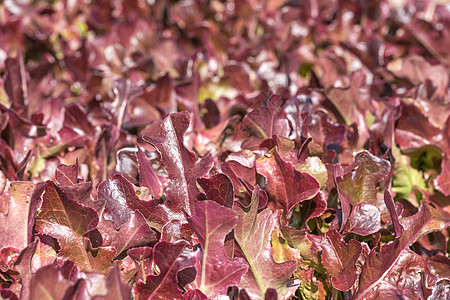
(286, 185)
(252, 233)
(215, 271)
(183, 166)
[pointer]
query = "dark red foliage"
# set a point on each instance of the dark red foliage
(205, 149)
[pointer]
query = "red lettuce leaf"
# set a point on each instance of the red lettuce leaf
(67, 175)
(121, 201)
(439, 265)
(286, 185)
(48, 283)
(309, 209)
(237, 172)
(194, 295)
(81, 193)
(413, 128)
(218, 188)
(339, 258)
(252, 233)
(68, 222)
(442, 182)
(176, 230)
(360, 185)
(16, 200)
(267, 121)
(115, 288)
(8, 294)
(379, 265)
(127, 164)
(215, 271)
(8, 255)
(271, 294)
(134, 233)
(147, 176)
(16, 83)
(76, 118)
(364, 219)
(23, 265)
(398, 228)
(440, 289)
(143, 260)
(183, 166)
(170, 259)
(52, 112)
(123, 91)
(411, 268)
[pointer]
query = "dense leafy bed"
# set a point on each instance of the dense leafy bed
(199, 149)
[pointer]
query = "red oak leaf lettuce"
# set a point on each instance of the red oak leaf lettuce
(215, 271)
(183, 166)
(286, 185)
(170, 258)
(252, 233)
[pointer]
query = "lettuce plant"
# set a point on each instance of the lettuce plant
(224, 149)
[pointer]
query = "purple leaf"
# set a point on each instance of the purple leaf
(52, 111)
(176, 230)
(442, 182)
(162, 94)
(134, 233)
(147, 176)
(122, 91)
(286, 185)
(68, 222)
(364, 219)
(15, 83)
(440, 289)
(439, 265)
(9, 167)
(267, 121)
(271, 294)
(48, 283)
(218, 188)
(211, 117)
(35, 203)
(408, 267)
(413, 128)
(127, 164)
(67, 175)
(121, 201)
(115, 288)
(76, 118)
(235, 171)
(8, 294)
(143, 260)
(360, 185)
(14, 219)
(81, 193)
(378, 266)
(394, 217)
(23, 265)
(183, 166)
(170, 259)
(215, 271)
(252, 233)
(309, 209)
(194, 295)
(187, 95)
(339, 258)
